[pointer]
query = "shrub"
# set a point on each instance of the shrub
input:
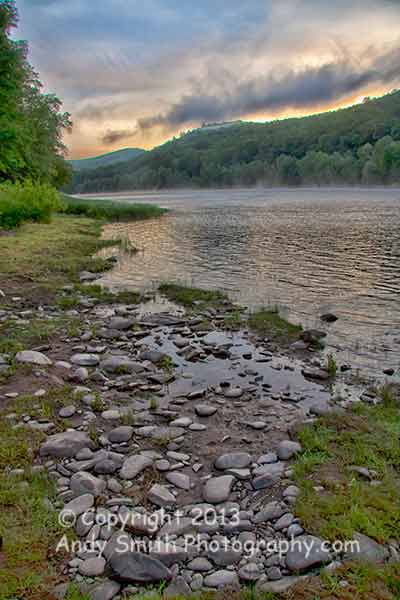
(28, 201)
(111, 210)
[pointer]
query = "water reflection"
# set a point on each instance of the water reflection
(307, 250)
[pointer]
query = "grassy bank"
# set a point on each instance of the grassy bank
(39, 258)
(354, 459)
(110, 210)
(269, 322)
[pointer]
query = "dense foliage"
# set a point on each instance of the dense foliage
(355, 145)
(31, 122)
(27, 202)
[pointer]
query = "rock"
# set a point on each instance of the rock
(85, 483)
(33, 358)
(134, 465)
(169, 553)
(182, 422)
(120, 365)
(154, 356)
(312, 336)
(120, 323)
(268, 458)
(366, 550)
(270, 512)
(120, 434)
(205, 410)
(105, 591)
(65, 444)
(291, 490)
(389, 372)
(67, 412)
(287, 449)
(161, 496)
(200, 564)
(307, 551)
(233, 460)
(224, 556)
(85, 360)
(179, 480)
(315, 373)
(92, 567)
(78, 506)
(257, 425)
(221, 579)
(217, 489)
(233, 392)
(329, 318)
(135, 567)
(284, 522)
(250, 572)
(178, 588)
(87, 276)
(278, 587)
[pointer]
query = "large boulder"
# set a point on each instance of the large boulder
(65, 444)
(33, 358)
(135, 567)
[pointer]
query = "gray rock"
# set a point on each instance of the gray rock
(315, 373)
(305, 552)
(217, 489)
(233, 460)
(268, 458)
(154, 356)
(250, 572)
(65, 444)
(287, 449)
(221, 579)
(120, 323)
(105, 591)
(78, 506)
(169, 553)
(120, 434)
(135, 567)
(120, 365)
(134, 465)
(161, 496)
(32, 357)
(271, 511)
(200, 564)
(67, 412)
(205, 410)
(179, 480)
(85, 360)
(278, 587)
(366, 550)
(284, 522)
(177, 588)
(92, 567)
(233, 392)
(224, 556)
(85, 483)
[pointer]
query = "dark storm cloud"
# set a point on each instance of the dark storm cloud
(117, 135)
(307, 88)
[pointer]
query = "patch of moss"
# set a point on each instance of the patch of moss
(268, 322)
(192, 297)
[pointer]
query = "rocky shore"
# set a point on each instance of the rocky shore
(170, 443)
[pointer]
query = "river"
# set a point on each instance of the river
(307, 251)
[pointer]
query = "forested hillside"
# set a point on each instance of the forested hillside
(105, 160)
(355, 145)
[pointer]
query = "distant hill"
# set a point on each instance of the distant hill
(105, 159)
(356, 145)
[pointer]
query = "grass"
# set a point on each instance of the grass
(27, 202)
(110, 210)
(367, 436)
(40, 258)
(15, 337)
(191, 297)
(331, 365)
(68, 300)
(28, 526)
(268, 322)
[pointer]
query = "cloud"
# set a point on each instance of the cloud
(306, 88)
(117, 135)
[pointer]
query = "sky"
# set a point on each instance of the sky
(135, 73)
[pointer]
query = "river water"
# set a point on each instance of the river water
(307, 251)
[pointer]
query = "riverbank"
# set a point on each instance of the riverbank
(117, 410)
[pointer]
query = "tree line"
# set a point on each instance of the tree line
(31, 121)
(356, 145)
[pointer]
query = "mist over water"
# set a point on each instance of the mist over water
(308, 251)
